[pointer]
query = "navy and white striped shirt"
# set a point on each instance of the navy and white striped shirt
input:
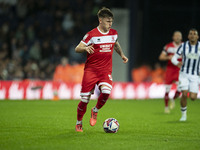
(190, 57)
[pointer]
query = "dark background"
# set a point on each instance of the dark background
(154, 22)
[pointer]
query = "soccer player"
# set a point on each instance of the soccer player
(172, 71)
(189, 69)
(99, 44)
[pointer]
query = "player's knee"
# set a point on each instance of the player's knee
(184, 94)
(85, 99)
(193, 97)
(167, 88)
(106, 90)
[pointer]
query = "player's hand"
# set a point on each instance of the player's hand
(90, 49)
(125, 59)
(180, 64)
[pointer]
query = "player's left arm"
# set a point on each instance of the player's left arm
(118, 49)
(177, 55)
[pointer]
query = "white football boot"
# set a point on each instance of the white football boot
(183, 118)
(166, 110)
(172, 104)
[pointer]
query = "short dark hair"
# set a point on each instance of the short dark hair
(193, 29)
(104, 13)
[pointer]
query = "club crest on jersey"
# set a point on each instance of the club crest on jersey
(113, 38)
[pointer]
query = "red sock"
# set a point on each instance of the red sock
(176, 95)
(102, 100)
(82, 107)
(166, 99)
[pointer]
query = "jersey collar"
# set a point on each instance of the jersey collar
(102, 32)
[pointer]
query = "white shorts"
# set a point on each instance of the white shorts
(189, 82)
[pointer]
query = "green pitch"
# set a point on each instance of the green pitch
(50, 125)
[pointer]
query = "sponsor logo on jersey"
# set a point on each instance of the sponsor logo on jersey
(105, 48)
(113, 38)
(192, 56)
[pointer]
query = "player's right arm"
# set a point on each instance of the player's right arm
(164, 57)
(81, 47)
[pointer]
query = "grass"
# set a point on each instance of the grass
(41, 125)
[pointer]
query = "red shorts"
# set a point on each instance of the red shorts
(90, 79)
(171, 75)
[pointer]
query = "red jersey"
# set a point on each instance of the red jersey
(101, 59)
(171, 49)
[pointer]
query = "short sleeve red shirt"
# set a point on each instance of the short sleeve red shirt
(101, 59)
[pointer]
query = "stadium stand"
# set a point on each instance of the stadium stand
(35, 35)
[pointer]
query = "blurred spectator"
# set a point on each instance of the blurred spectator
(145, 74)
(158, 74)
(141, 74)
(35, 51)
(21, 9)
(3, 70)
(30, 33)
(62, 72)
(24, 54)
(68, 22)
(4, 51)
(5, 29)
(19, 74)
(77, 71)
(47, 50)
(69, 73)
(19, 34)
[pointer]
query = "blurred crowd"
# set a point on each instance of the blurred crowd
(35, 35)
(37, 40)
(146, 73)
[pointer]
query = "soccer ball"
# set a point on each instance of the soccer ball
(111, 125)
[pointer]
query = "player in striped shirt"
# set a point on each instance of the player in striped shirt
(99, 44)
(189, 69)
